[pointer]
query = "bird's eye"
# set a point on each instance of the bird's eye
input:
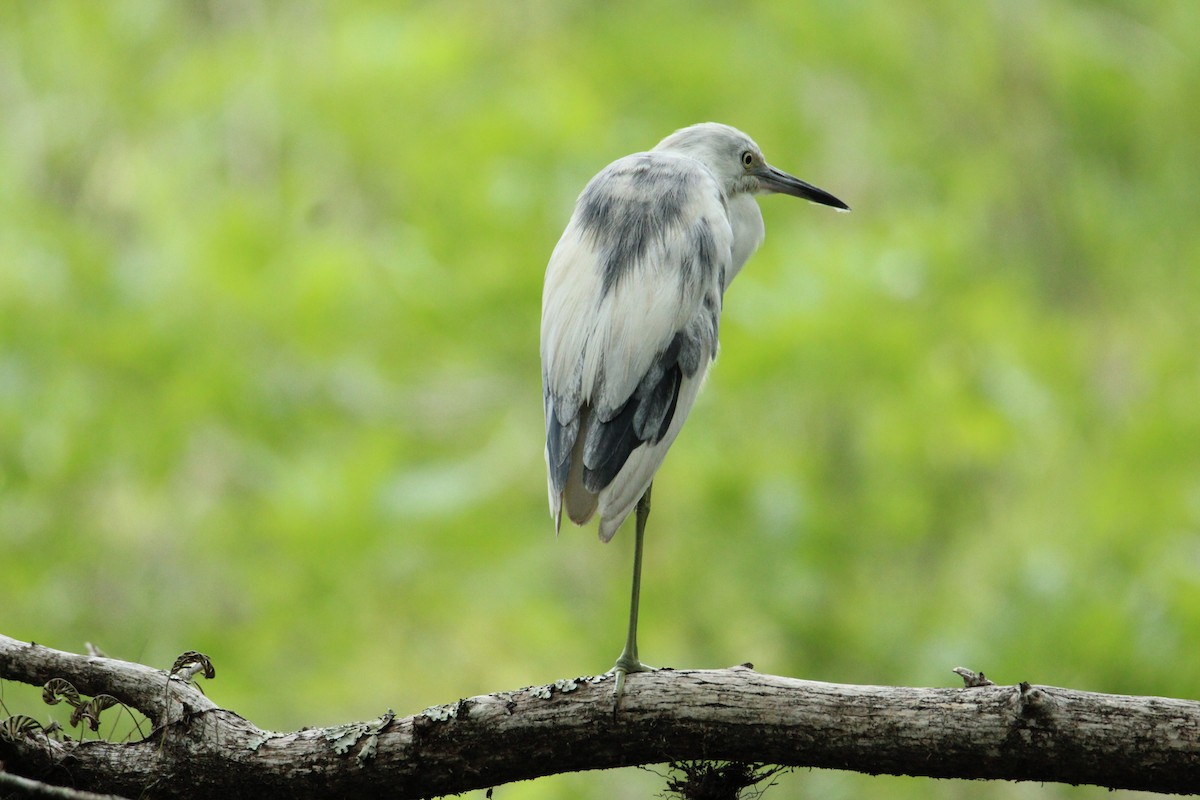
(747, 159)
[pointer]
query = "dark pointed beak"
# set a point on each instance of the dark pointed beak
(774, 180)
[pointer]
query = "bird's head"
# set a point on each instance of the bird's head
(738, 163)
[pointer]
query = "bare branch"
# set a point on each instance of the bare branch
(136, 685)
(1020, 732)
(24, 787)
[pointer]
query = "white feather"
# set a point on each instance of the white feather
(595, 352)
(604, 326)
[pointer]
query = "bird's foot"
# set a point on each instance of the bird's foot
(625, 665)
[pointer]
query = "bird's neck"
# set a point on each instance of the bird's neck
(748, 231)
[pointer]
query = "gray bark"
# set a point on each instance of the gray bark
(1024, 732)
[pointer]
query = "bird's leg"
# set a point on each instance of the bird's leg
(628, 661)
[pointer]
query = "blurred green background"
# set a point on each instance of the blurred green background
(270, 282)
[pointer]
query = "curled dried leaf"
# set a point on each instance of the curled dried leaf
(192, 662)
(84, 712)
(104, 701)
(91, 710)
(57, 690)
(17, 727)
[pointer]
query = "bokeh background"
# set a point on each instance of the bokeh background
(270, 281)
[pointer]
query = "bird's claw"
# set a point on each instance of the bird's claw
(625, 665)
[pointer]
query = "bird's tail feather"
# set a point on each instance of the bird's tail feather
(581, 504)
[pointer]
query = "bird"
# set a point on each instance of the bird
(630, 313)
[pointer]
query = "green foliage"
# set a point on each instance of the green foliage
(269, 292)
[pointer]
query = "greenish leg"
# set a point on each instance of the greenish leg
(628, 661)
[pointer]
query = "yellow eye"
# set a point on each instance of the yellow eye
(747, 159)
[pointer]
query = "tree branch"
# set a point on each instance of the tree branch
(998, 732)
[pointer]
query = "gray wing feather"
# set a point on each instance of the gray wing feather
(629, 313)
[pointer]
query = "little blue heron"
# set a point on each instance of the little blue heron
(630, 311)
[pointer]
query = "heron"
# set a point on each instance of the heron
(630, 312)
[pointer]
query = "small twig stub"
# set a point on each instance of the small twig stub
(971, 678)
